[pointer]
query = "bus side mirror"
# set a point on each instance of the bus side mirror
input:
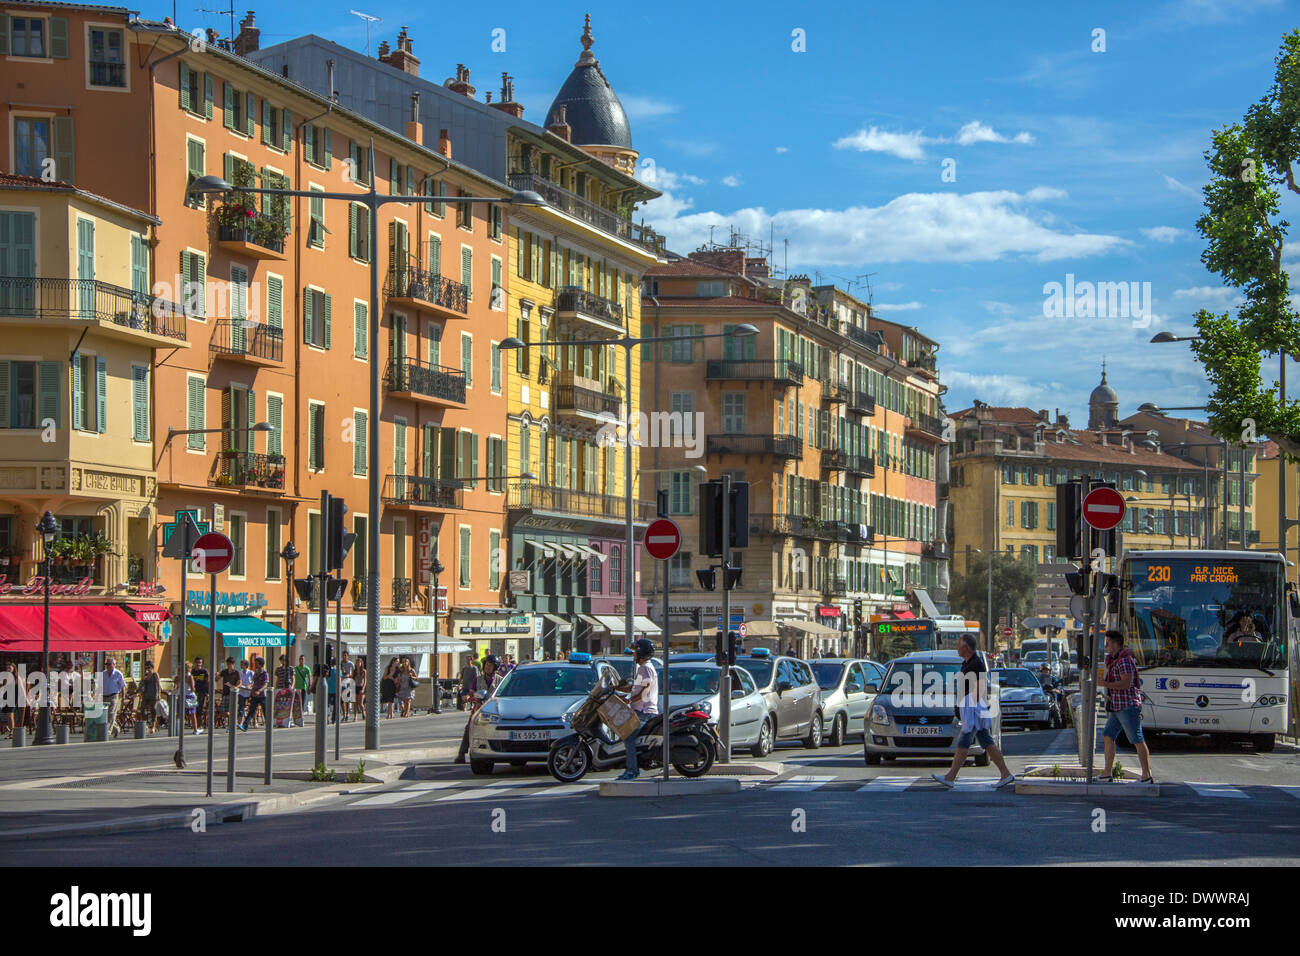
(1294, 598)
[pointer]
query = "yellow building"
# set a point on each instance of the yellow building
(1269, 463)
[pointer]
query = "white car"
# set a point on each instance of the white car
(847, 688)
(696, 682)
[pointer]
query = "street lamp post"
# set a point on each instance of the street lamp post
(436, 569)
(48, 529)
(627, 343)
(289, 555)
(372, 200)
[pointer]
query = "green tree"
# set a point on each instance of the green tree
(1013, 588)
(1251, 163)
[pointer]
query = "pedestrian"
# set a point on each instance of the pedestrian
(1124, 704)
(359, 689)
(388, 688)
(229, 685)
(202, 687)
(976, 724)
(301, 683)
(644, 698)
(150, 687)
(245, 689)
(406, 684)
(508, 665)
(256, 693)
(487, 683)
(331, 691)
(113, 688)
(14, 698)
(468, 680)
(347, 687)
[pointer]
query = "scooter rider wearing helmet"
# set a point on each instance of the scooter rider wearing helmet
(643, 695)
(486, 684)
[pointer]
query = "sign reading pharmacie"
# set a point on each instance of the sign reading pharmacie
(227, 601)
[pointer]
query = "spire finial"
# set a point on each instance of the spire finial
(1103, 370)
(586, 33)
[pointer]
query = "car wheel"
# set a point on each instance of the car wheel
(872, 760)
(814, 738)
(840, 730)
(481, 766)
(766, 735)
(982, 760)
(1264, 743)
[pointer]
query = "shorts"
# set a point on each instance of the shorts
(1130, 720)
(968, 737)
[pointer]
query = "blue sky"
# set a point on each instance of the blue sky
(1067, 161)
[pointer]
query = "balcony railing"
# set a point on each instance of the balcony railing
(835, 459)
(421, 378)
(402, 591)
(782, 371)
(574, 299)
(862, 337)
(836, 586)
(103, 73)
(862, 403)
(89, 300)
(433, 288)
(415, 490)
(569, 397)
(859, 533)
(250, 469)
(835, 392)
(801, 526)
(1234, 534)
(863, 466)
(263, 234)
(241, 338)
(927, 363)
(533, 497)
(360, 596)
(782, 446)
(928, 424)
(606, 220)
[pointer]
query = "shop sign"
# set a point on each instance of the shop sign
(36, 586)
(228, 600)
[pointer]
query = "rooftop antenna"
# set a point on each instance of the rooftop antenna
(364, 16)
(230, 12)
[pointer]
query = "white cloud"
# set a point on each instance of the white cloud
(977, 132)
(999, 389)
(693, 147)
(783, 149)
(646, 107)
(1212, 297)
(915, 227)
(876, 140)
(898, 306)
(652, 174)
(731, 180)
(1164, 233)
(1041, 193)
(1178, 187)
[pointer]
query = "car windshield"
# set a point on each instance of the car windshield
(626, 666)
(916, 677)
(547, 682)
(1015, 677)
(760, 669)
(1036, 656)
(684, 679)
(827, 675)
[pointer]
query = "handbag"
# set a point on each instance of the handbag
(160, 708)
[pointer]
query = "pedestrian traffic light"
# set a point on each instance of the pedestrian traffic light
(338, 541)
(731, 578)
(338, 587)
(306, 588)
(711, 517)
(707, 577)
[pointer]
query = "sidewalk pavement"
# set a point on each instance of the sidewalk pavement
(146, 791)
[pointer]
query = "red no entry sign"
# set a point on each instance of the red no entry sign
(662, 539)
(1103, 509)
(213, 552)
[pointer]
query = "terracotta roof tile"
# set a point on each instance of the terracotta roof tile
(691, 267)
(697, 302)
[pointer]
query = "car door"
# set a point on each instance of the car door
(855, 698)
(787, 712)
(810, 693)
(746, 710)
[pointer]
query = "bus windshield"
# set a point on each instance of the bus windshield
(1205, 612)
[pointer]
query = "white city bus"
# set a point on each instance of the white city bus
(1211, 631)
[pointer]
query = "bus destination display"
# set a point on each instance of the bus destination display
(1194, 573)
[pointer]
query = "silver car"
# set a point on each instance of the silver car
(915, 713)
(526, 712)
(847, 688)
(696, 682)
(1022, 701)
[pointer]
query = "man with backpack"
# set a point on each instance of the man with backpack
(1124, 704)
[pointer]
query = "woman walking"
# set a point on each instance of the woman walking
(406, 684)
(185, 697)
(359, 689)
(149, 687)
(15, 699)
(388, 688)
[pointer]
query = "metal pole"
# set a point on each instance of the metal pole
(1088, 732)
(178, 647)
(338, 662)
(322, 604)
(1281, 468)
(1241, 496)
(44, 724)
(232, 718)
(373, 502)
(668, 641)
(629, 553)
(268, 711)
(724, 696)
(1205, 502)
(212, 684)
(1224, 453)
(437, 669)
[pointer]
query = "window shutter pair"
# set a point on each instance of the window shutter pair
(275, 302)
(275, 418)
(360, 435)
(194, 413)
(449, 460)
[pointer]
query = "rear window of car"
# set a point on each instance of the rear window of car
(760, 670)
(827, 675)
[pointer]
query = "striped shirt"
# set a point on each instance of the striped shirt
(1117, 665)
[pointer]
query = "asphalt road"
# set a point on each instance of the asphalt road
(1228, 807)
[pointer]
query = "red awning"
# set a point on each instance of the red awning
(904, 615)
(73, 627)
(148, 613)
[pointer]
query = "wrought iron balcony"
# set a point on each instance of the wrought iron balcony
(248, 469)
(415, 491)
(571, 204)
(934, 549)
(530, 496)
(798, 526)
(926, 363)
(104, 73)
(835, 459)
(585, 304)
(835, 392)
(89, 300)
(262, 239)
(782, 446)
(408, 376)
(360, 598)
(241, 339)
(782, 371)
(926, 424)
(862, 403)
(862, 466)
(862, 337)
(568, 396)
(835, 587)
(859, 533)
(402, 591)
(429, 289)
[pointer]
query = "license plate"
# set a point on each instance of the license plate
(912, 730)
(530, 735)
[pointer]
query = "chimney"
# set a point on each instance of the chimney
(414, 128)
(331, 93)
(559, 125)
(508, 104)
(247, 40)
(461, 84)
(444, 143)
(402, 57)
(383, 51)
(730, 258)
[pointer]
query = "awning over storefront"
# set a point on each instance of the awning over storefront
(76, 627)
(560, 623)
(591, 621)
(762, 629)
(904, 616)
(592, 552)
(240, 630)
(811, 628)
(148, 613)
(643, 625)
(615, 624)
(927, 603)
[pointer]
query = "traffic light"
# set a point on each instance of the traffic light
(708, 578)
(661, 503)
(728, 656)
(338, 541)
(711, 517)
(731, 578)
(338, 587)
(306, 588)
(857, 612)
(1067, 521)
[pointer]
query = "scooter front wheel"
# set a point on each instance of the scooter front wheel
(702, 756)
(569, 762)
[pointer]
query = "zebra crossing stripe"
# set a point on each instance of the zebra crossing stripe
(888, 784)
(398, 796)
(1217, 790)
(488, 790)
(563, 791)
(803, 782)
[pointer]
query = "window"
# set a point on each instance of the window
(360, 329)
(681, 351)
(359, 162)
(1051, 516)
(194, 281)
(277, 127)
(317, 308)
(38, 139)
(89, 393)
(710, 289)
(521, 355)
(316, 217)
(432, 188)
(465, 543)
(1011, 514)
(29, 393)
(464, 213)
(525, 448)
(140, 403)
(317, 146)
(467, 358)
(359, 232)
(272, 544)
(595, 575)
(496, 464)
(360, 437)
(494, 221)
(733, 413)
(238, 110)
(315, 436)
(681, 492)
(494, 560)
(275, 305)
(497, 302)
(36, 37)
(239, 539)
(195, 411)
(196, 92)
(616, 583)
(467, 271)
(679, 570)
(683, 408)
(275, 418)
(107, 65)
(496, 369)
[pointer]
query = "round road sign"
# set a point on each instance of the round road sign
(1006, 632)
(1103, 508)
(213, 552)
(662, 539)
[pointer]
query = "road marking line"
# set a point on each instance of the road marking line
(486, 791)
(975, 783)
(803, 782)
(1217, 790)
(563, 791)
(407, 793)
(888, 784)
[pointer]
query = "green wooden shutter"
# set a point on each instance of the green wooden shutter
(266, 122)
(139, 265)
(59, 38)
(313, 437)
(308, 332)
(329, 149)
(329, 309)
(360, 435)
(394, 174)
(238, 308)
(435, 254)
(275, 302)
(194, 413)
(250, 436)
(250, 115)
(64, 149)
(139, 402)
(228, 105)
(359, 329)
(101, 394)
(427, 447)
(447, 454)
(227, 418)
(275, 418)
(309, 142)
(187, 94)
(49, 384)
(286, 130)
(208, 94)
(4, 394)
(399, 446)
(467, 271)
(353, 245)
(473, 457)
(77, 387)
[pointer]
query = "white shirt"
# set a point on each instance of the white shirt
(646, 676)
(245, 683)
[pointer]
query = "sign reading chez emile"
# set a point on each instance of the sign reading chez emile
(36, 586)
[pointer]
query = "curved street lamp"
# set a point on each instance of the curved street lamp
(47, 529)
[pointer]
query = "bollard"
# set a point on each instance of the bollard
(141, 728)
(20, 736)
(231, 720)
(61, 734)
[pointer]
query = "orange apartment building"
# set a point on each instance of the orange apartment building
(276, 295)
(835, 436)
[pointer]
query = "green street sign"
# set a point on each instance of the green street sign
(899, 592)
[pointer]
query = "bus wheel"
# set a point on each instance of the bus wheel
(1264, 743)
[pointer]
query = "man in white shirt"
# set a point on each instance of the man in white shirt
(644, 698)
(114, 687)
(245, 688)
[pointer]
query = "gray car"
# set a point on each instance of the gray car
(794, 701)
(696, 682)
(915, 713)
(847, 688)
(1022, 701)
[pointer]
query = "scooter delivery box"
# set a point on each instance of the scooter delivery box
(619, 716)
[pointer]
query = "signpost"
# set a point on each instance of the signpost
(179, 546)
(1103, 508)
(212, 553)
(663, 539)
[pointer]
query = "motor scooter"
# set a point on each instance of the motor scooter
(693, 747)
